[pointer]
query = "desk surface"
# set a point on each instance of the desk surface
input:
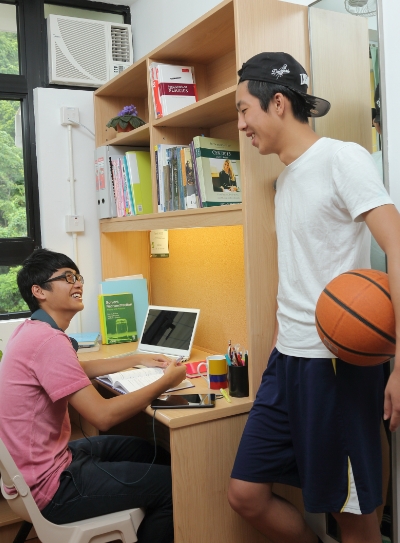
(176, 418)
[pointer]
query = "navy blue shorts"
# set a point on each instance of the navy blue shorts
(315, 424)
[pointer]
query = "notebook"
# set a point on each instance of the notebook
(169, 331)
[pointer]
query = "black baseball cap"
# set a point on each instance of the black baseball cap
(282, 69)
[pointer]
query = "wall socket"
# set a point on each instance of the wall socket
(69, 115)
(74, 223)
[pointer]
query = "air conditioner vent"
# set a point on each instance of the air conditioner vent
(86, 42)
(64, 68)
(120, 44)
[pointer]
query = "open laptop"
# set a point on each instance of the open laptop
(169, 331)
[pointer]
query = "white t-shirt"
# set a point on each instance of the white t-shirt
(318, 203)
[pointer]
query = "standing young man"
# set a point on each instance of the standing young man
(39, 375)
(315, 421)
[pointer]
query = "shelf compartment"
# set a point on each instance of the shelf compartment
(229, 215)
(210, 37)
(139, 137)
(213, 111)
(132, 81)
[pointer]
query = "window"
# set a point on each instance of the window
(23, 67)
(9, 61)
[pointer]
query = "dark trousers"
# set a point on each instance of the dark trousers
(111, 473)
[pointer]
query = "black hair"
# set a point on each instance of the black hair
(36, 269)
(301, 104)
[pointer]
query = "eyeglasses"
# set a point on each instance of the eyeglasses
(68, 276)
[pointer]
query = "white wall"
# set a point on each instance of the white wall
(154, 22)
(54, 188)
(6, 329)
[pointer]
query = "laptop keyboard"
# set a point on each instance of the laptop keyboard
(130, 353)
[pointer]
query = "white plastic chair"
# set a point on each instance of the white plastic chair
(122, 525)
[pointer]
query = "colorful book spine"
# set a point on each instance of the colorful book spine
(182, 198)
(173, 178)
(159, 204)
(118, 187)
(158, 112)
(163, 176)
(188, 181)
(195, 173)
(129, 209)
(139, 174)
(128, 186)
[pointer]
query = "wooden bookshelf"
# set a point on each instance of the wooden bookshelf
(222, 260)
(216, 45)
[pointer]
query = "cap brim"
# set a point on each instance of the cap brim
(321, 106)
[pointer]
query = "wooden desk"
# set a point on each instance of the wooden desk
(203, 445)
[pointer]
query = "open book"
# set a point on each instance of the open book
(135, 379)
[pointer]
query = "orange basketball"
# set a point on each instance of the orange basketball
(355, 318)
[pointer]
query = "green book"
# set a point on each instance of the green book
(218, 169)
(117, 318)
(139, 171)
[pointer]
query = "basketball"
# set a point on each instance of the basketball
(355, 319)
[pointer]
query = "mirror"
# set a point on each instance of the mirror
(344, 49)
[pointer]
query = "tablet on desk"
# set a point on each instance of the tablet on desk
(184, 401)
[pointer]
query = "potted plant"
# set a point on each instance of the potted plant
(127, 119)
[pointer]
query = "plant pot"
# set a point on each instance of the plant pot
(127, 129)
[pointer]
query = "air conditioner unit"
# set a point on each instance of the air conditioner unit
(86, 52)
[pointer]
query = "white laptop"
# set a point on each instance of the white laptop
(169, 331)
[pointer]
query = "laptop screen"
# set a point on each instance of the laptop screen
(170, 328)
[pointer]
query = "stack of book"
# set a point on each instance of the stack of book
(137, 286)
(204, 173)
(131, 182)
(87, 342)
(173, 88)
(176, 187)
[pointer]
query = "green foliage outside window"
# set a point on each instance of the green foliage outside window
(12, 184)
(9, 53)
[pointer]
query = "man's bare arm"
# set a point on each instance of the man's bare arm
(384, 223)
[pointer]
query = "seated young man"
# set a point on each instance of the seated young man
(39, 375)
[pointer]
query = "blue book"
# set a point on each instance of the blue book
(86, 337)
(138, 287)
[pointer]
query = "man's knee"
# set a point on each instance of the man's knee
(247, 498)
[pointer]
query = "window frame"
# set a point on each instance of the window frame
(32, 53)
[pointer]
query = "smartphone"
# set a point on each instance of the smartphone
(184, 401)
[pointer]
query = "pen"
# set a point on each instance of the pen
(225, 395)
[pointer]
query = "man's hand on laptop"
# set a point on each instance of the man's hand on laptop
(154, 360)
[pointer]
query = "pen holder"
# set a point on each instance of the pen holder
(238, 381)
